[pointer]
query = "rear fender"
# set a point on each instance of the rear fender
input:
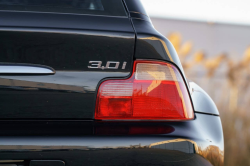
(202, 102)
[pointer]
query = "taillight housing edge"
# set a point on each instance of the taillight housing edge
(155, 91)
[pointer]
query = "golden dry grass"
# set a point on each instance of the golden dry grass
(230, 91)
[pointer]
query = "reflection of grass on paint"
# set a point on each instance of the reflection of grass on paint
(215, 156)
(232, 93)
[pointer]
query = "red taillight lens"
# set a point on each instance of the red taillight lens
(155, 91)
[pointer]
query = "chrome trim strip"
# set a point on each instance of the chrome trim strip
(20, 68)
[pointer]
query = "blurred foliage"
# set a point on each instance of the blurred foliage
(227, 82)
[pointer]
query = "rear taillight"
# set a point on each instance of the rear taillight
(155, 91)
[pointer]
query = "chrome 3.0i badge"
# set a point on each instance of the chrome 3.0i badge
(109, 65)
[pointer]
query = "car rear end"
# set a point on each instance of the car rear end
(91, 82)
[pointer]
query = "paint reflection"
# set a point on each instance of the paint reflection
(212, 153)
(186, 146)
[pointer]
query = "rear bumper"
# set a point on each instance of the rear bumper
(197, 142)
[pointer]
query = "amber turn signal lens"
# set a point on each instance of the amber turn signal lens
(155, 91)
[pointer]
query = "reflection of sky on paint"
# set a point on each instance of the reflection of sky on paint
(226, 11)
(77, 81)
(92, 142)
(87, 142)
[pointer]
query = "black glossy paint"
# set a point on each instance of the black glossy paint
(50, 117)
(47, 163)
(135, 6)
(139, 16)
(60, 21)
(65, 95)
(202, 101)
(69, 50)
(70, 92)
(151, 44)
(136, 10)
(191, 143)
(94, 7)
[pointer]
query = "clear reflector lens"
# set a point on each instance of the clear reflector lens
(146, 71)
(155, 91)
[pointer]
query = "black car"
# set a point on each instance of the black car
(91, 82)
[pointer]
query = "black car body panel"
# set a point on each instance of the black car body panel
(151, 44)
(48, 119)
(201, 100)
(135, 7)
(93, 7)
(136, 10)
(69, 52)
(197, 142)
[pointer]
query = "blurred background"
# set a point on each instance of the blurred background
(212, 38)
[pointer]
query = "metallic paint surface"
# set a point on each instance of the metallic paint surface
(135, 6)
(76, 142)
(64, 95)
(202, 101)
(66, 43)
(151, 44)
(195, 142)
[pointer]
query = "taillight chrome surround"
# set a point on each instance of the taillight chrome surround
(155, 91)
